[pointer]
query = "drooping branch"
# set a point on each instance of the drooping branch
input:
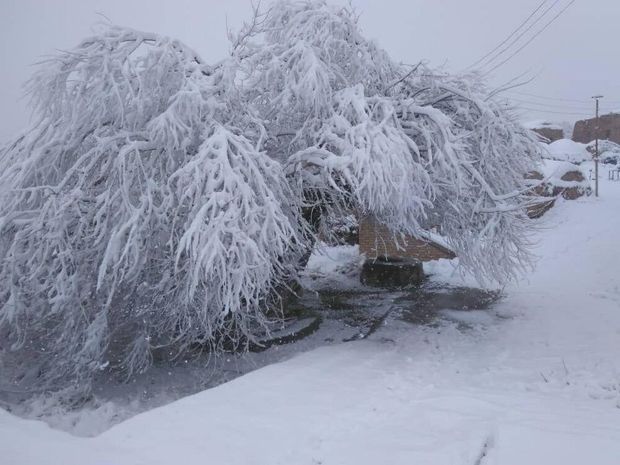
(135, 215)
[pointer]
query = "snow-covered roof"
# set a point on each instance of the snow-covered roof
(540, 124)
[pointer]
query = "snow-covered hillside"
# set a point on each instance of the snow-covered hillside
(534, 381)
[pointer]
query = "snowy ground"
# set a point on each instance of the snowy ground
(534, 380)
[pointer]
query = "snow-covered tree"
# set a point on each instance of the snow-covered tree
(158, 202)
(139, 212)
(414, 148)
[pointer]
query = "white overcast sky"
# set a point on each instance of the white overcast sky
(575, 58)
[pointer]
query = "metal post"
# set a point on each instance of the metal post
(596, 130)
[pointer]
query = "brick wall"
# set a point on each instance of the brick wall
(376, 241)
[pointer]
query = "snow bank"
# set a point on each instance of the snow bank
(567, 150)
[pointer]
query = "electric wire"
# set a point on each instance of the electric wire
(512, 34)
(546, 26)
(516, 40)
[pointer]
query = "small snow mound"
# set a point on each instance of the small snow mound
(567, 150)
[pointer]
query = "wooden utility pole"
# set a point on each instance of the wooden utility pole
(597, 98)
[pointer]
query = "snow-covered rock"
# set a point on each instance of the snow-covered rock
(564, 174)
(559, 177)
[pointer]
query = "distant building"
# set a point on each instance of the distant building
(377, 242)
(609, 129)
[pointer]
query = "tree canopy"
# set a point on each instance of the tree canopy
(156, 202)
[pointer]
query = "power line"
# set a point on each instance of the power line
(555, 99)
(565, 113)
(547, 105)
(583, 115)
(533, 37)
(511, 34)
(516, 39)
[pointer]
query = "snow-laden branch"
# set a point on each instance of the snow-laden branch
(361, 153)
(134, 215)
(412, 147)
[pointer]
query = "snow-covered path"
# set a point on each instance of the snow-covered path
(537, 382)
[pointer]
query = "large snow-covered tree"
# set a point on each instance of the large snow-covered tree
(158, 201)
(413, 147)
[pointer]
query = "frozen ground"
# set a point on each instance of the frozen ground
(533, 380)
(335, 308)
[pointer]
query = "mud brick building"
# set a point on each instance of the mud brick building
(609, 129)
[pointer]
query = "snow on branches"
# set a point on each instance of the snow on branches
(415, 148)
(157, 201)
(135, 215)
